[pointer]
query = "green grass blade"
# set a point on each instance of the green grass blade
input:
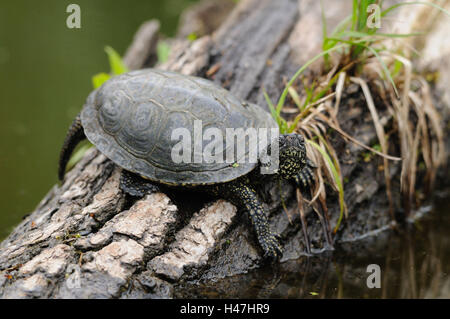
(282, 124)
(341, 25)
(336, 178)
(292, 127)
(324, 30)
(335, 162)
(362, 15)
(385, 12)
(274, 113)
(299, 71)
(354, 15)
(385, 69)
(375, 53)
(358, 34)
(295, 97)
(401, 35)
(324, 21)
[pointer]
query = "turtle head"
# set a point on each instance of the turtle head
(292, 155)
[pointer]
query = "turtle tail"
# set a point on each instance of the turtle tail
(74, 136)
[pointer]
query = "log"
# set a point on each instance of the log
(86, 239)
(142, 51)
(204, 18)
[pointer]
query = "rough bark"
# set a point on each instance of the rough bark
(141, 52)
(204, 18)
(87, 239)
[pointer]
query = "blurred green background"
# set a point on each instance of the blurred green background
(45, 76)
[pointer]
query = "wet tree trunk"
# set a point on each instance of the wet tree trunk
(87, 239)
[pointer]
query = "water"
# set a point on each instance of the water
(413, 264)
(45, 76)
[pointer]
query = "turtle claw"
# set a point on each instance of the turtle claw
(310, 163)
(305, 178)
(271, 247)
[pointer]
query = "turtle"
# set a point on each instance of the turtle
(131, 119)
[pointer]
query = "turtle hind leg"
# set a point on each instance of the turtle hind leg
(74, 136)
(135, 185)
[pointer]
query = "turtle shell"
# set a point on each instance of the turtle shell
(131, 119)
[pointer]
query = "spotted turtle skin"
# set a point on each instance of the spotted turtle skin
(131, 117)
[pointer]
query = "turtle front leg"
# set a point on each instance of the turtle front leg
(245, 197)
(305, 178)
(135, 185)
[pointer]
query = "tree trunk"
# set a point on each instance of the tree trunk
(87, 239)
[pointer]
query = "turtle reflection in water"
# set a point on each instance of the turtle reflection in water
(130, 119)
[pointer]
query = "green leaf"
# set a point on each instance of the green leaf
(162, 51)
(397, 68)
(115, 61)
(192, 36)
(377, 147)
(99, 79)
(78, 155)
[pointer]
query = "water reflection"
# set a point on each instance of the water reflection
(414, 264)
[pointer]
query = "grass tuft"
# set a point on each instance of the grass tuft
(355, 48)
